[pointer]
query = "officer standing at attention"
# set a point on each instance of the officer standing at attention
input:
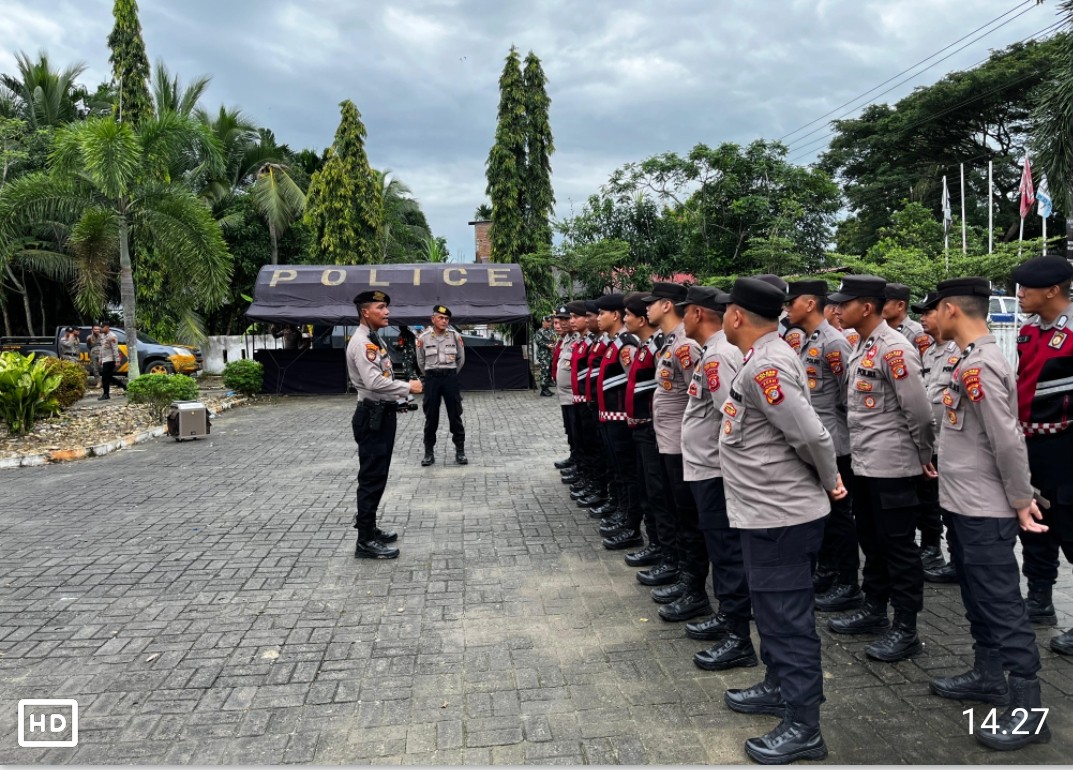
(544, 341)
(560, 367)
(772, 440)
(369, 367)
(440, 357)
(825, 353)
(1045, 408)
(564, 388)
(984, 485)
(891, 440)
(895, 314)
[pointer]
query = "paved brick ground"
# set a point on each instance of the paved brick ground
(201, 602)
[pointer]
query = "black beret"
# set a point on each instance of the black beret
(576, 307)
(931, 299)
(964, 287)
(758, 296)
(802, 288)
(705, 296)
(675, 292)
(855, 286)
(772, 280)
(442, 310)
(372, 296)
(561, 312)
(635, 303)
(611, 302)
(896, 291)
(1042, 272)
(590, 306)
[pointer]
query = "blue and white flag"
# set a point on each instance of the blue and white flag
(1043, 198)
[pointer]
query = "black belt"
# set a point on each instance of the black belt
(387, 406)
(440, 372)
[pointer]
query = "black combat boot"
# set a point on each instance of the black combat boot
(931, 556)
(762, 698)
(869, 619)
(429, 457)
(733, 652)
(623, 539)
(369, 547)
(944, 574)
(823, 579)
(460, 455)
(710, 629)
(646, 557)
(1014, 730)
(606, 508)
(839, 598)
(794, 738)
(692, 604)
(385, 535)
(562, 465)
(1039, 604)
(545, 392)
(612, 524)
(900, 642)
(572, 477)
(1063, 643)
(668, 593)
(984, 682)
(664, 573)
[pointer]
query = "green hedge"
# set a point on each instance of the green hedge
(159, 390)
(244, 376)
(73, 383)
(27, 391)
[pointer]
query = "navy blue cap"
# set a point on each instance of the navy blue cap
(372, 296)
(1042, 272)
(611, 302)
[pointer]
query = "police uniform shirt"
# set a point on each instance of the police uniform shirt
(674, 369)
(707, 391)
(914, 332)
(938, 364)
(984, 459)
(440, 351)
(825, 355)
(369, 367)
(891, 431)
(563, 377)
(776, 456)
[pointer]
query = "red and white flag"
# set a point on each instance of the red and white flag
(1028, 196)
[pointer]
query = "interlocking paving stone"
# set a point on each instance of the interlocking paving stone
(206, 609)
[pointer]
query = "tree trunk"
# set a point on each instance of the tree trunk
(126, 294)
(25, 300)
(275, 245)
(7, 318)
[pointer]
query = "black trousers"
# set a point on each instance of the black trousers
(982, 551)
(591, 445)
(623, 470)
(930, 516)
(779, 563)
(692, 552)
(840, 553)
(374, 462)
(108, 378)
(886, 514)
(1049, 459)
(653, 481)
(570, 428)
(445, 388)
(723, 546)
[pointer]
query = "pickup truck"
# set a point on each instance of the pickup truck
(153, 357)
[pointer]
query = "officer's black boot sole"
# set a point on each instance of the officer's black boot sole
(997, 699)
(759, 751)
(733, 652)
(380, 551)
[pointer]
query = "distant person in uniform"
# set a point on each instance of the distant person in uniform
(380, 397)
(441, 355)
(70, 345)
(895, 313)
(110, 358)
(544, 342)
(93, 344)
(984, 487)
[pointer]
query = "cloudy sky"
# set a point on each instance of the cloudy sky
(627, 78)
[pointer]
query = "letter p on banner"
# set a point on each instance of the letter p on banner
(48, 722)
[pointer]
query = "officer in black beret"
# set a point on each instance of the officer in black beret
(1044, 393)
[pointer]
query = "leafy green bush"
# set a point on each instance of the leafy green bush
(159, 390)
(26, 391)
(73, 383)
(244, 376)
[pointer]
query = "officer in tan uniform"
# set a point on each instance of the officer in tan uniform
(825, 354)
(777, 460)
(380, 396)
(564, 387)
(896, 315)
(984, 485)
(441, 355)
(687, 597)
(892, 436)
(729, 628)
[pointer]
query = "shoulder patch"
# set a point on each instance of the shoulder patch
(371, 351)
(711, 372)
(768, 380)
(625, 356)
(896, 361)
(834, 361)
(974, 389)
(684, 356)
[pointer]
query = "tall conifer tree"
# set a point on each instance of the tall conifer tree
(344, 208)
(505, 169)
(130, 65)
(539, 196)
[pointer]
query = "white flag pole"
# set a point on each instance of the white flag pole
(990, 207)
(1044, 236)
(964, 232)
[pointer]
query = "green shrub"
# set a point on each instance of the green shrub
(26, 391)
(159, 390)
(73, 383)
(245, 376)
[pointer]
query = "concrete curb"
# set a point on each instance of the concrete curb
(99, 450)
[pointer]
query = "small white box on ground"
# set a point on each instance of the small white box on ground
(188, 419)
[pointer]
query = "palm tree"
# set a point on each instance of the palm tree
(404, 229)
(41, 96)
(170, 95)
(110, 180)
(279, 199)
(434, 250)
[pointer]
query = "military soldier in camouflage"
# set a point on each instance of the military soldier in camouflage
(544, 341)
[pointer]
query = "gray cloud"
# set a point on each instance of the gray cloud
(627, 79)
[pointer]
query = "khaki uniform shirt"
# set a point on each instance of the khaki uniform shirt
(984, 460)
(109, 348)
(563, 382)
(369, 367)
(674, 370)
(938, 363)
(440, 351)
(914, 332)
(891, 431)
(707, 391)
(776, 455)
(825, 355)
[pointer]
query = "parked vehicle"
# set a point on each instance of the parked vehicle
(1003, 309)
(153, 357)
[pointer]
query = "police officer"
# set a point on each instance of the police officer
(440, 357)
(604, 501)
(891, 440)
(686, 598)
(591, 490)
(1045, 409)
(825, 354)
(895, 313)
(369, 367)
(729, 628)
(777, 461)
(560, 364)
(984, 486)
(544, 341)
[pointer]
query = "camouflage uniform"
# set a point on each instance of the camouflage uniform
(544, 339)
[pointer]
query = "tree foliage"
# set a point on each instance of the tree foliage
(505, 169)
(538, 200)
(130, 64)
(1053, 119)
